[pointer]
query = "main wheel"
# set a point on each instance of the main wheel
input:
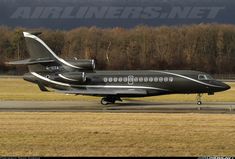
(104, 101)
(199, 103)
(109, 100)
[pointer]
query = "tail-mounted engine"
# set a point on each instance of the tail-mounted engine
(83, 64)
(72, 77)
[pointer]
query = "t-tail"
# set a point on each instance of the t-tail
(42, 56)
(44, 62)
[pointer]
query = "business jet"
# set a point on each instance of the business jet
(79, 77)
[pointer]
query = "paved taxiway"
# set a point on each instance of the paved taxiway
(125, 107)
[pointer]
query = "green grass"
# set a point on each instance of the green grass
(18, 90)
(12, 89)
(116, 134)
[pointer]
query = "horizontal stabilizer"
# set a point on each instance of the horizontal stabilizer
(30, 62)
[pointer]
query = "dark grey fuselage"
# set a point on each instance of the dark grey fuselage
(132, 83)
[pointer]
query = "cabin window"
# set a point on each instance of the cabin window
(136, 79)
(209, 77)
(125, 79)
(120, 79)
(146, 79)
(165, 79)
(155, 79)
(115, 79)
(203, 77)
(105, 79)
(160, 79)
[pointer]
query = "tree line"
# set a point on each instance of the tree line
(204, 47)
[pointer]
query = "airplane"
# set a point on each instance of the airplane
(79, 77)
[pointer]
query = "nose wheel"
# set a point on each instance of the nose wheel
(109, 100)
(199, 99)
(199, 102)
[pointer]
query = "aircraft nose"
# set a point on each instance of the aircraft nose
(222, 86)
(226, 87)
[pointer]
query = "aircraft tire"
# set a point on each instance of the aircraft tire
(199, 103)
(104, 101)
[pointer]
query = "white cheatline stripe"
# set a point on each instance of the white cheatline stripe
(191, 79)
(127, 87)
(48, 80)
(94, 86)
(28, 35)
(66, 78)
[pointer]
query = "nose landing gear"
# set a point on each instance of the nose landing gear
(199, 99)
(109, 100)
(199, 103)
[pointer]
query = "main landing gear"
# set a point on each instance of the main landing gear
(199, 99)
(109, 100)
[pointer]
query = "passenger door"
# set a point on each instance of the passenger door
(130, 80)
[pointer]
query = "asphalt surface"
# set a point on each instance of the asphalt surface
(124, 107)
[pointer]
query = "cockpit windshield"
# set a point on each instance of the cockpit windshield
(205, 77)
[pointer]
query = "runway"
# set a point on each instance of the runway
(125, 107)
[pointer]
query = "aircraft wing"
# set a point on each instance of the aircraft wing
(105, 91)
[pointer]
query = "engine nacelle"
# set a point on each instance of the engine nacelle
(73, 77)
(84, 64)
